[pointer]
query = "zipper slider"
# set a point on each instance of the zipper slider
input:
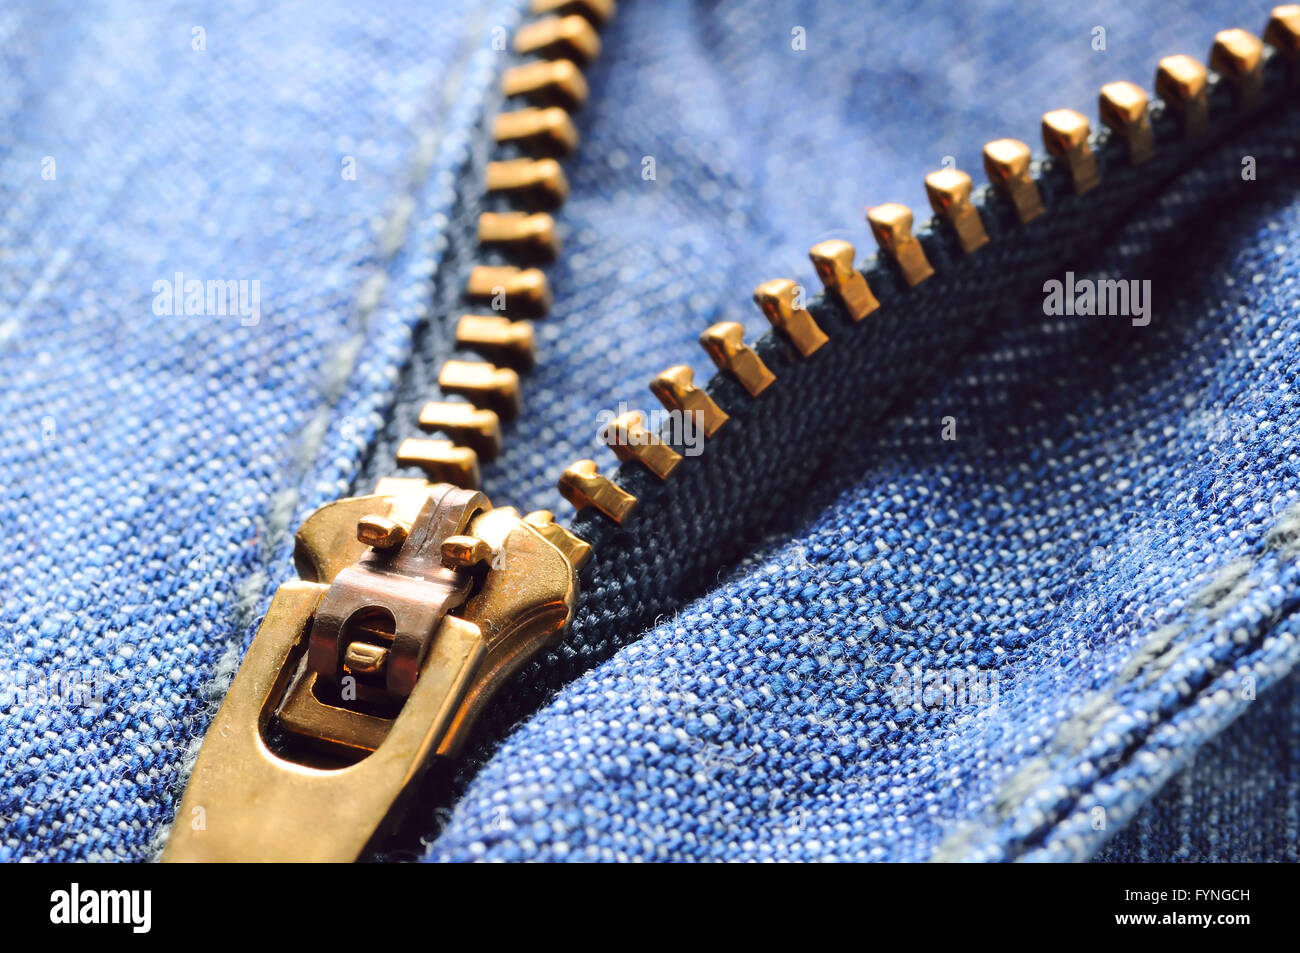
(415, 606)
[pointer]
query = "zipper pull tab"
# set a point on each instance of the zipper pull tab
(415, 608)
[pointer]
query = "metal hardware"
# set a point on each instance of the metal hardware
(676, 390)
(576, 551)
(298, 766)
(725, 344)
(569, 37)
(442, 460)
(408, 583)
(496, 388)
(507, 342)
(891, 224)
(597, 11)
(380, 532)
(1123, 107)
(629, 440)
(538, 182)
(1181, 83)
(528, 233)
(1065, 135)
(949, 193)
(1283, 33)
(1006, 162)
(476, 427)
(583, 486)
(521, 291)
(1238, 56)
(778, 299)
(464, 552)
(833, 260)
(546, 130)
(549, 82)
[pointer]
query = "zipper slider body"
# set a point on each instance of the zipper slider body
(377, 660)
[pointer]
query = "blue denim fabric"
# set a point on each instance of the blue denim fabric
(155, 466)
(1235, 802)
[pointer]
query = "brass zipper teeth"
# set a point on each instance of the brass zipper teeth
(1181, 83)
(559, 40)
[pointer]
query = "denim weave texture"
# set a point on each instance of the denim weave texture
(1235, 803)
(154, 468)
(1112, 533)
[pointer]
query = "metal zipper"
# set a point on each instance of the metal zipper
(419, 601)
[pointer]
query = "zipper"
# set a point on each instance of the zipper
(419, 601)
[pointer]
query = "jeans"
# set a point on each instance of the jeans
(998, 646)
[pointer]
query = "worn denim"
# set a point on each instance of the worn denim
(1110, 533)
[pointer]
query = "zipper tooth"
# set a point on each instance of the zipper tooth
(597, 11)
(949, 191)
(539, 183)
(1183, 86)
(506, 342)
(542, 131)
(1283, 33)
(442, 460)
(891, 224)
(583, 485)
(725, 344)
(1123, 109)
(523, 291)
(629, 440)
(524, 235)
(1237, 56)
(484, 385)
(568, 37)
(1065, 136)
(677, 391)
(781, 302)
(1181, 82)
(1006, 163)
(399, 485)
(833, 261)
(477, 427)
(547, 83)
